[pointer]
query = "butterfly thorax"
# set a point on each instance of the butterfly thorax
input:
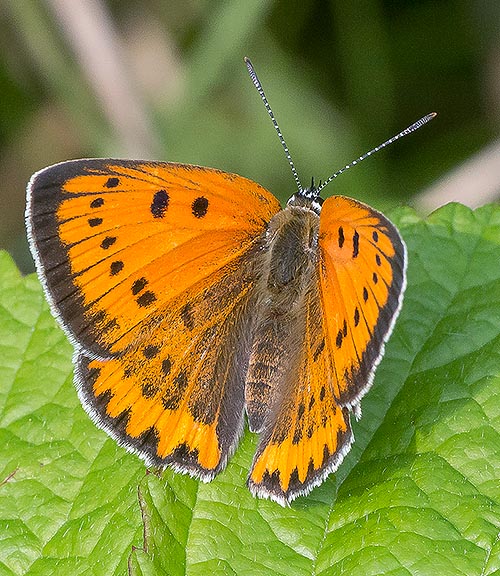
(292, 246)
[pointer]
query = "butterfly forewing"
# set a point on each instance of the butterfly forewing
(117, 240)
(362, 280)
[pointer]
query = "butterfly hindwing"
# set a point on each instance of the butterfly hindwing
(307, 433)
(176, 396)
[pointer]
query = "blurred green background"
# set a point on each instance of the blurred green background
(165, 79)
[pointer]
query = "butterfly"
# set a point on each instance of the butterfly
(192, 298)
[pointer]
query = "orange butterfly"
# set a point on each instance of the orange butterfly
(191, 298)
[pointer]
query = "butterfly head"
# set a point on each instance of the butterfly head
(307, 198)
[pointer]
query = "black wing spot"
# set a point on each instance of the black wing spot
(375, 236)
(139, 285)
(159, 204)
(301, 410)
(97, 203)
(341, 237)
(200, 207)
(312, 401)
(322, 393)
(297, 435)
(375, 278)
(116, 267)
(111, 182)
(108, 242)
(356, 316)
(338, 340)
(365, 294)
(150, 351)
(378, 260)
(355, 244)
(344, 329)
(93, 222)
(146, 299)
(166, 366)
(319, 349)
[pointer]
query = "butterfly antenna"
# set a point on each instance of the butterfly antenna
(260, 90)
(415, 126)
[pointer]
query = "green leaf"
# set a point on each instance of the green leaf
(418, 494)
(68, 495)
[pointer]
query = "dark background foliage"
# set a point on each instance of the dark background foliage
(165, 80)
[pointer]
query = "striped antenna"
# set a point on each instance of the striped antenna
(260, 90)
(316, 191)
(415, 126)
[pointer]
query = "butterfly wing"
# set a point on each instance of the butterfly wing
(175, 396)
(362, 279)
(149, 268)
(347, 313)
